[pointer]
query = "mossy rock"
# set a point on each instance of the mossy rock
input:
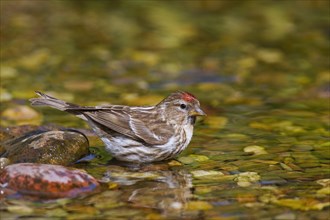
(47, 147)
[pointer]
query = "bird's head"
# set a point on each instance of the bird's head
(181, 107)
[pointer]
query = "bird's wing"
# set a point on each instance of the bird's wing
(132, 124)
(156, 134)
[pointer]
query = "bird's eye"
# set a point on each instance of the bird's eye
(183, 106)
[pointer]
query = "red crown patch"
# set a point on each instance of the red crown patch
(188, 96)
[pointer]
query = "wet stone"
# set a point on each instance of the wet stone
(264, 156)
(296, 175)
(272, 180)
(322, 171)
(302, 148)
(256, 150)
(19, 209)
(202, 174)
(199, 205)
(286, 216)
(230, 156)
(247, 179)
(47, 181)
(309, 165)
(20, 114)
(273, 168)
(4, 162)
(324, 191)
(294, 167)
(285, 167)
(322, 154)
(51, 147)
(302, 204)
(323, 182)
(304, 158)
(192, 158)
(260, 167)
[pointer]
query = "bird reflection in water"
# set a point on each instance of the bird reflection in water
(159, 186)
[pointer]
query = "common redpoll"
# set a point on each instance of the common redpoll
(138, 134)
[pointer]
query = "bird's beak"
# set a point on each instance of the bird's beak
(197, 112)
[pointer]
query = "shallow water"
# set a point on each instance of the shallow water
(260, 70)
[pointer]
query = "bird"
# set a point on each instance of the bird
(138, 134)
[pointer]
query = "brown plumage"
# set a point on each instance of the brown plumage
(138, 134)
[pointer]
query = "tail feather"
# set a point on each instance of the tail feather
(47, 100)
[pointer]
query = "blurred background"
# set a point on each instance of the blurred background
(259, 68)
(117, 51)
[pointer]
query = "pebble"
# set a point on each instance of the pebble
(47, 181)
(286, 216)
(20, 115)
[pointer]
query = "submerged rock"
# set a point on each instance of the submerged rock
(256, 150)
(19, 115)
(247, 179)
(46, 181)
(48, 147)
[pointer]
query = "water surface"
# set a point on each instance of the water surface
(260, 70)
